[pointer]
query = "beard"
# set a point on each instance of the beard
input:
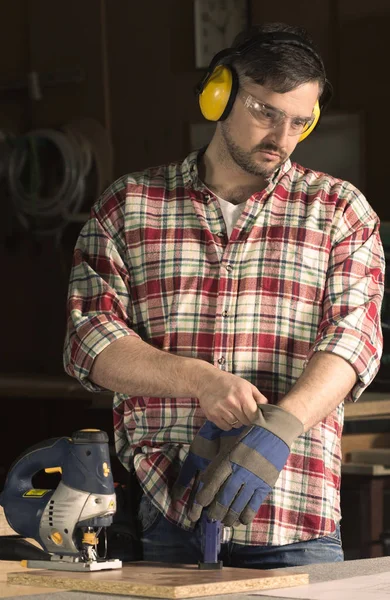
(246, 159)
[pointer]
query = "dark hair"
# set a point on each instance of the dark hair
(281, 66)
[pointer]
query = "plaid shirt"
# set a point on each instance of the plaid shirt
(302, 272)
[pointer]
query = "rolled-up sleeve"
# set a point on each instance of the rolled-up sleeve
(351, 321)
(99, 301)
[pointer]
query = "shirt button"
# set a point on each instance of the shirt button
(229, 268)
(222, 360)
(225, 313)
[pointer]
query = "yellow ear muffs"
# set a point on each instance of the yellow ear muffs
(218, 88)
(218, 94)
(317, 113)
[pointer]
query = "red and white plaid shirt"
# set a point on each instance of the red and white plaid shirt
(302, 272)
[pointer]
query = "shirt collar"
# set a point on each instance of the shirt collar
(190, 170)
(191, 176)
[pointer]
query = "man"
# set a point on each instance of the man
(232, 302)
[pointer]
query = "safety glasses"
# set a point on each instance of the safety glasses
(270, 117)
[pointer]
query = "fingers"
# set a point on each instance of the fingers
(228, 421)
(212, 480)
(239, 504)
(250, 511)
(243, 420)
(251, 409)
(248, 410)
(236, 420)
(220, 506)
(232, 422)
(225, 420)
(195, 512)
(225, 425)
(226, 398)
(194, 508)
(258, 396)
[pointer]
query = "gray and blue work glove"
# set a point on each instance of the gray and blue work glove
(236, 482)
(206, 445)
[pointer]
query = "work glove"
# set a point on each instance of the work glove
(206, 445)
(236, 482)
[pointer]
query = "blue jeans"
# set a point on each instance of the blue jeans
(164, 542)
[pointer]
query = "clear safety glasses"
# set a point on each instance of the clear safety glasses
(270, 117)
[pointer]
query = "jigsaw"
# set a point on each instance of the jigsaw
(68, 520)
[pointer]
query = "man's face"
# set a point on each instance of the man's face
(258, 148)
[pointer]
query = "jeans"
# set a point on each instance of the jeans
(162, 541)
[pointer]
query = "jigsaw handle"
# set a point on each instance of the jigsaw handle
(84, 461)
(49, 453)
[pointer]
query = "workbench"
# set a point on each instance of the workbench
(318, 573)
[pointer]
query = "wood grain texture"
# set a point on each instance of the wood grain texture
(158, 580)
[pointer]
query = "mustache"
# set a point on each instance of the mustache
(269, 147)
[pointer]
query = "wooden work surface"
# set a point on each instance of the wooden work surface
(158, 580)
(317, 572)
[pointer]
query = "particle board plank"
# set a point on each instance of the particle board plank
(159, 580)
(11, 591)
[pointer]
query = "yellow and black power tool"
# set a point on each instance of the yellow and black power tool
(66, 521)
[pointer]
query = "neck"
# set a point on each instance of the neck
(224, 177)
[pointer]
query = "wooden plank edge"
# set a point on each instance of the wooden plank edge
(54, 580)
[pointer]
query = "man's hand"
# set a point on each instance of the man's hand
(228, 400)
(133, 367)
(236, 482)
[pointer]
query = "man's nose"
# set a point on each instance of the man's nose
(281, 132)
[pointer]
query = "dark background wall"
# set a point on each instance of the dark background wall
(138, 60)
(139, 64)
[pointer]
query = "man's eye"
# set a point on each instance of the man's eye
(266, 111)
(299, 123)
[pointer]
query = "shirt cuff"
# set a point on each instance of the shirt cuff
(91, 339)
(356, 350)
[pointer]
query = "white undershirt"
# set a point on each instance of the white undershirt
(231, 212)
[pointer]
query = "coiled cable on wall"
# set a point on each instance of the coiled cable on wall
(49, 174)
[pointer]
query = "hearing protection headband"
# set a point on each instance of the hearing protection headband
(218, 88)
